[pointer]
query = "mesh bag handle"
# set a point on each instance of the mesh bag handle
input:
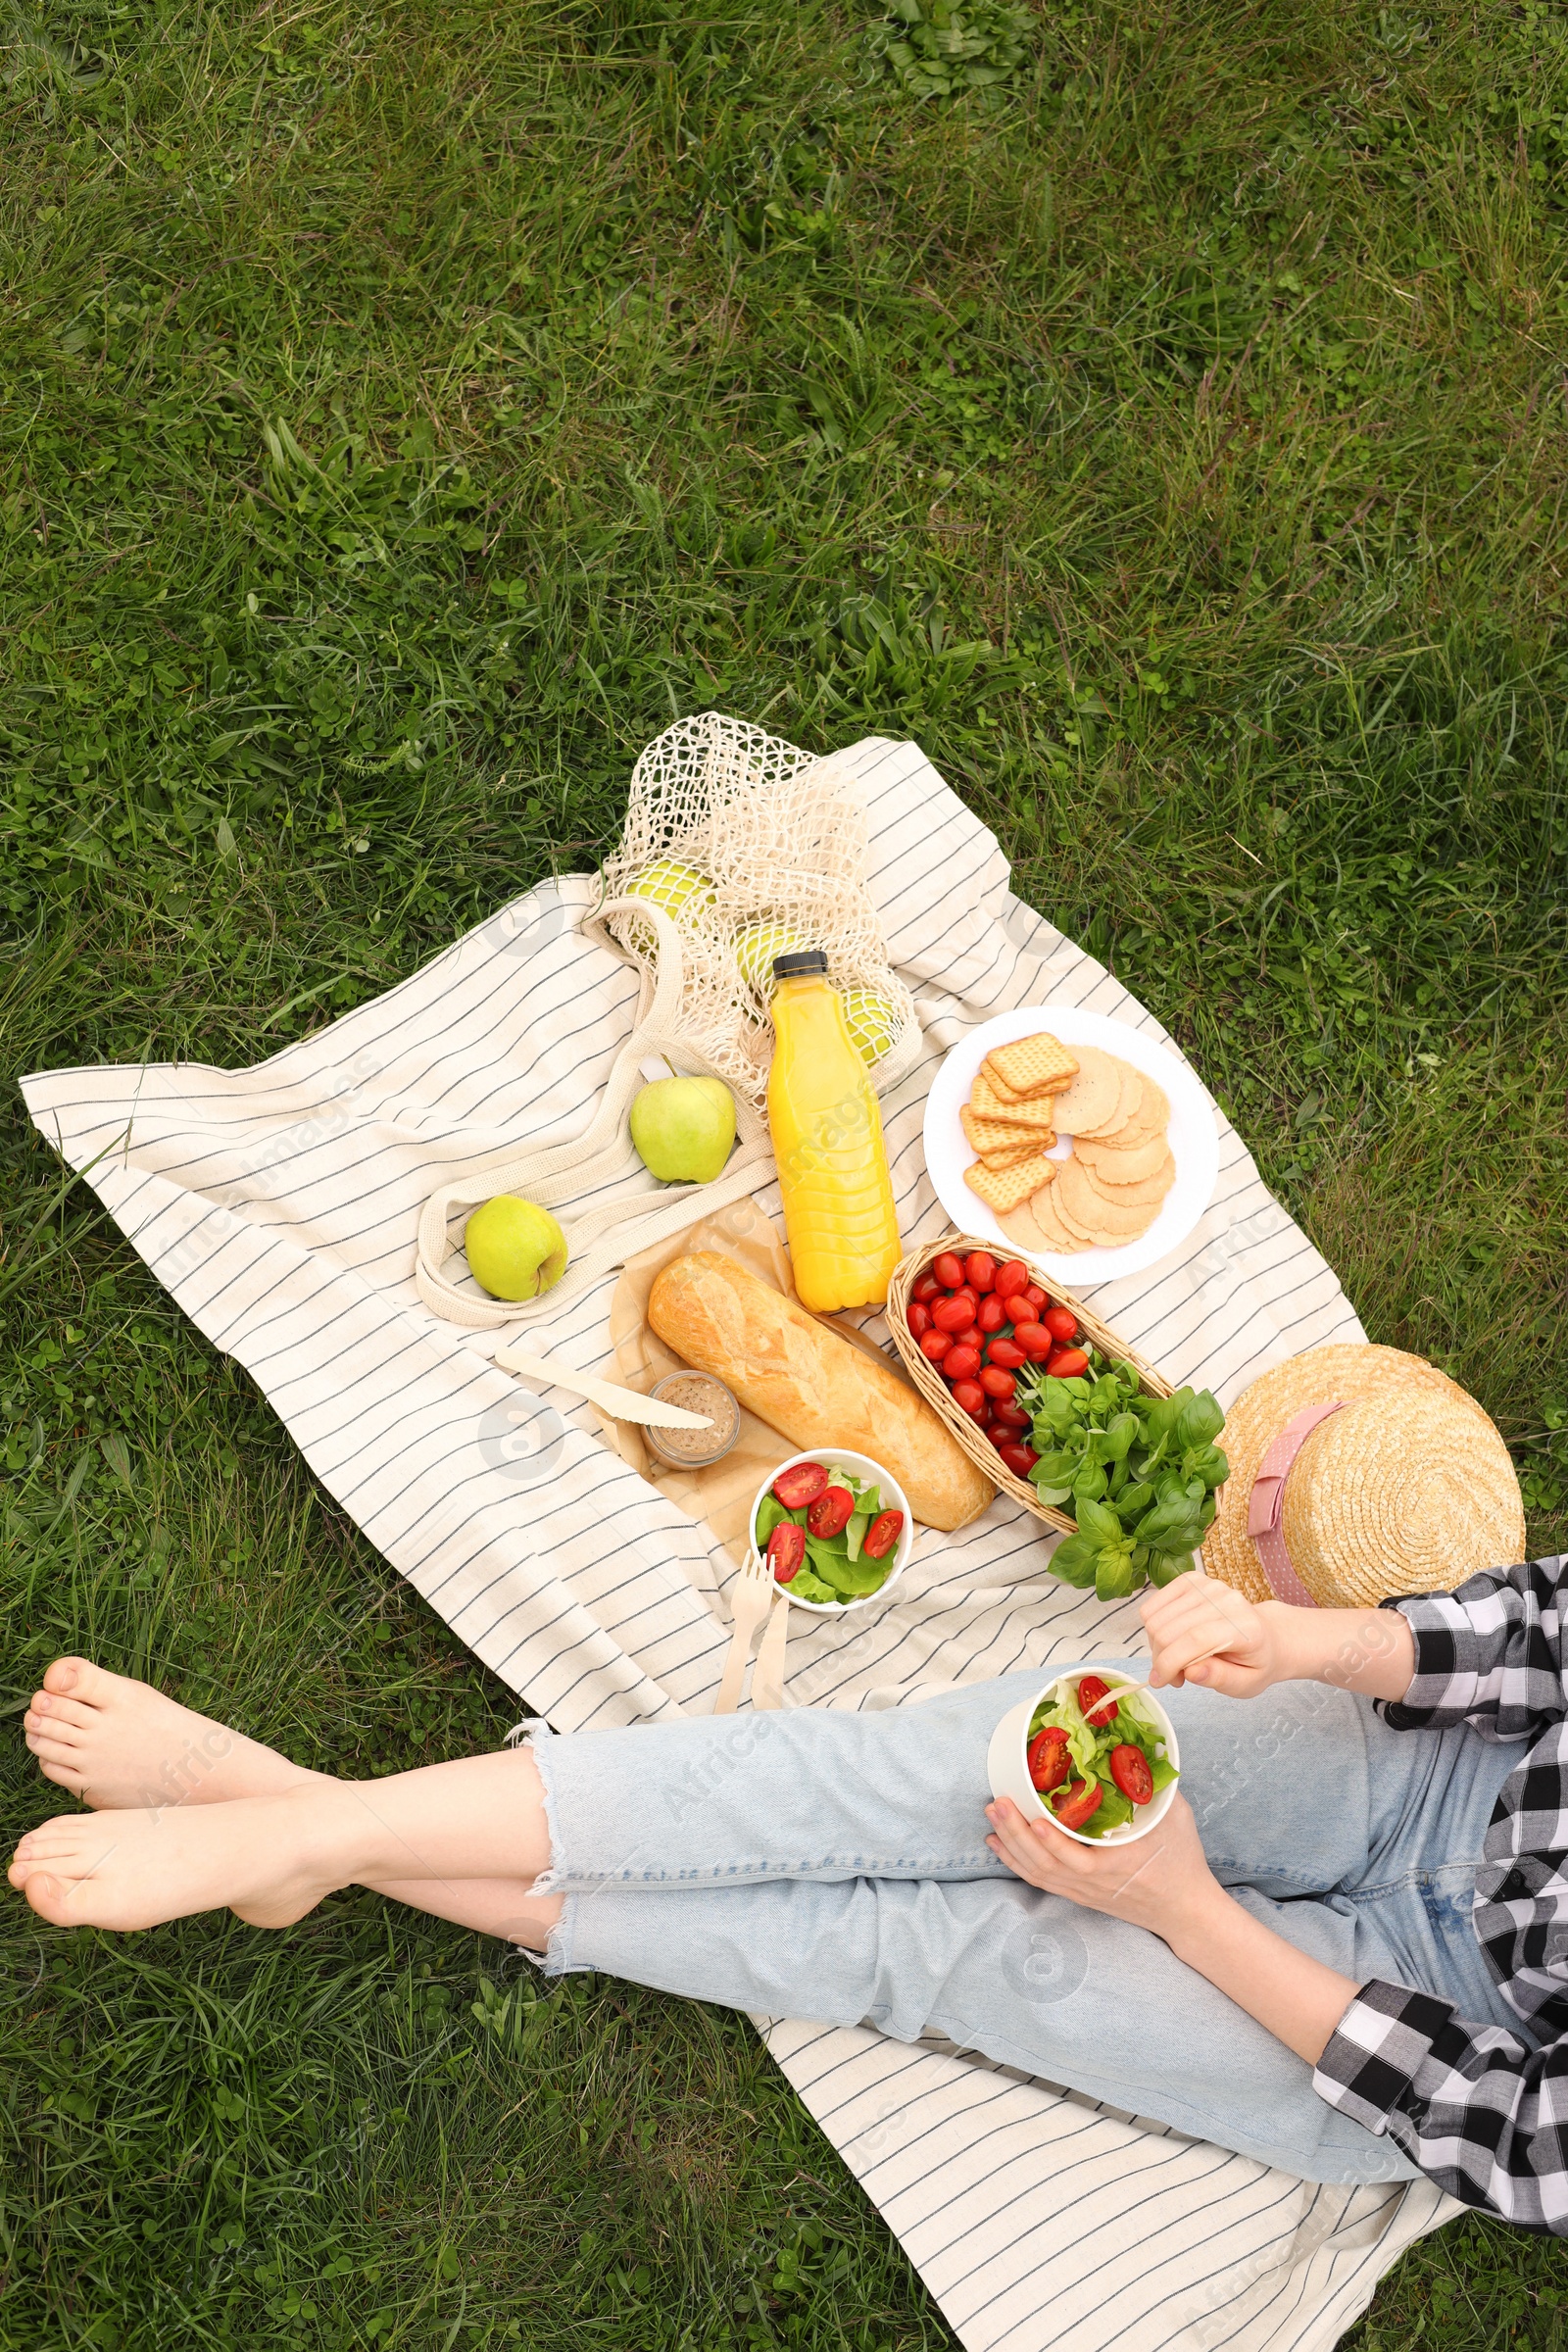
(629, 1219)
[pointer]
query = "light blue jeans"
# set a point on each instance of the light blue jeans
(833, 1866)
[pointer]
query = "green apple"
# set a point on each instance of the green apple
(514, 1249)
(871, 1022)
(756, 944)
(670, 883)
(683, 1128)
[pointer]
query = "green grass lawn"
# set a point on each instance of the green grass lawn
(409, 408)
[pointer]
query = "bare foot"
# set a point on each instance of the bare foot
(115, 1744)
(270, 1859)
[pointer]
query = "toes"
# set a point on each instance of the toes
(50, 1898)
(49, 1711)
(63, 1774)
(69, 1675)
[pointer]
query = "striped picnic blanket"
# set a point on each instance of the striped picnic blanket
(278, 1206)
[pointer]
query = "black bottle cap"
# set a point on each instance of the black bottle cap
(796, 962)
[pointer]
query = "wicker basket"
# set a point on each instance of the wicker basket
(939, 1397)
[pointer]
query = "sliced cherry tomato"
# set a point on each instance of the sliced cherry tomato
(786, 1550)
(1011, 1278)
(1005, 1352)
(1033, 1338)
(830, 1514)
(920, 1319)
(969, 1397)
(802, 1483)
(1090, 1692)
(953, 1314)
(935, 1345)
(1067, 1363)
(1020, 1459)
(1129, 1769)
(961, 1361)
(1008, 1415)
(1036, 1297)
(1079, 1803)
(926, 1289)
(980, 1270)
(882, 1534)
(992, 1313)
(948, 1269)
(996, 1382)
(1049, 1759)
(1061, 1323)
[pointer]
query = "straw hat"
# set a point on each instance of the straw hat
(1360, 1473)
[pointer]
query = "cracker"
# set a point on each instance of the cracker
(1138, 1191)
(1019, 1226)
(1033, 1066)
(1054, 1235)
(1084, 1211)
(1093, 1094)
(1012, 1156)
(1150, 1117)
(986, 1135)
(1127, 1108)
(1111, 1165)
(1005, 1187)
(988, 1103)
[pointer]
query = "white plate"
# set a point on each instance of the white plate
(1194, 1139)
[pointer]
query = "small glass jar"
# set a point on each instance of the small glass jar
(695, 1448)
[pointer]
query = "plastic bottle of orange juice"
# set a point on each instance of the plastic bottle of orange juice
(827, 1139)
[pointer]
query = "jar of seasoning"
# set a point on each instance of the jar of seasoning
(695, 1448)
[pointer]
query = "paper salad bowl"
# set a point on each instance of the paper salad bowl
(894, 1499)
(1006, 1758)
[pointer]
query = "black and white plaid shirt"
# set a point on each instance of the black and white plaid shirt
(1482, 2111)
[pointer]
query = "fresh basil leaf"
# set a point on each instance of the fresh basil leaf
(1164, 1567)
(1098, 1521)
(1073, 1560)
(1113, 1573)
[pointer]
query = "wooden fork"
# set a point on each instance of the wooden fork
(750, 1598)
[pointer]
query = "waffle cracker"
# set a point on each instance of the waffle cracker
(1002, 1189)
(998, 1142)
(1033, 1066)
(987, 1101)
(1094, 1094)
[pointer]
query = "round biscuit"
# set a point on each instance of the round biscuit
(1088, 1212)
(1120, 1165)
(1093, 1094)
(1142, 1190)
(1054, 1235)
(1129, 1097)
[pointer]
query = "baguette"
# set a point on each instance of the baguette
(813, 1386)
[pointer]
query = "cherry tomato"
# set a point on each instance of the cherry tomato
(1067, 1363)
(1020, 1459)
(920, 1319)
(1033, 1338)
(1061, 1323)
(1011, 1278)
(1036, 1296)
(1078, 1805)
(830, 1514)
(992, 1313)
(1008, 1415)
(961, 1361)
(996, 1382)
(951, 1314)
(969, 1397)
(969, 1295)
(1090, 1692)
(802, 1483)
(980, 1269)
(926, 1289)
(935, 1345)
(1049, 1759)
(1129, 1769)
(786, 1550)
(998, 1432)
(948, 1269)
(882, 1534)
(1008, 1354)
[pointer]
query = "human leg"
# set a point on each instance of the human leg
(118, 1745)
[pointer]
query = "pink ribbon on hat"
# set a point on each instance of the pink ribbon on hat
(1265, 1508)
